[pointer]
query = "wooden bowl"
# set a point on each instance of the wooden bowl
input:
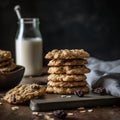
(9, 80)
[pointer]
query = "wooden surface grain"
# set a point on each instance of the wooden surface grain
(93, 113)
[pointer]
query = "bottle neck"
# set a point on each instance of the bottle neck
(29, 22)
(28, 28)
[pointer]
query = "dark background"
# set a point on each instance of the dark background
(93, 25)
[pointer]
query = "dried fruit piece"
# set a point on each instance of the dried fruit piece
(79, 93)
(99, 90)
(13, 99)
(60, 114)
(35, 87)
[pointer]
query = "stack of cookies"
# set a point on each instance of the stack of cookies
(6, 61)
(67, 69)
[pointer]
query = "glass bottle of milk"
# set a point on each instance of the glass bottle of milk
(28, 46)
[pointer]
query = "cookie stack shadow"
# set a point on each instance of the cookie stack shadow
(67, 69)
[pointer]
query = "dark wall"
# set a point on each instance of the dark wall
(93, 25)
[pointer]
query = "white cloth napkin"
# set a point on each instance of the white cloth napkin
(104, 74)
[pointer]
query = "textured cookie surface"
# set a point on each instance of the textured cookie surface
(22, 93)
(67, 54)
(8, 68)
(69, 70)
(68, 90)
(65, 77)
(67, 84)
(62, 62)
(4, 55)
(6, 63)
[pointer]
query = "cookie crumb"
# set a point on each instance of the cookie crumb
(15, 108)
(81, 108)
(1, 99)
(47, 117)
(50, 113)
(63, 96)
(40, 114)
(82, 111)
(90, 110)
(51, 119)
(70, 114)
(35, 113)
(1, 103)
(68, 96)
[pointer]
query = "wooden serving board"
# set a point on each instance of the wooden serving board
(53, 101)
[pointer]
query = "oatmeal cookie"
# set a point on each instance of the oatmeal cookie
(5, 55)
(67, 54)
(22, 93)
(6, 63)
(67, 90)
(8, 68)
(62, 62)
(65, 77)
(67, 84)
(69, 70)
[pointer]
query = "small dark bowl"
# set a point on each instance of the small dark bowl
(9, 80)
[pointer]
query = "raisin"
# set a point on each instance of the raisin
(35, 87)
(61, 114)
(99, 90)
(13, 99)
(63, 62)
(79, 93)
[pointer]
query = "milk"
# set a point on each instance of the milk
(29, 55)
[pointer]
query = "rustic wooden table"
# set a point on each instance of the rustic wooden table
(23, 112)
